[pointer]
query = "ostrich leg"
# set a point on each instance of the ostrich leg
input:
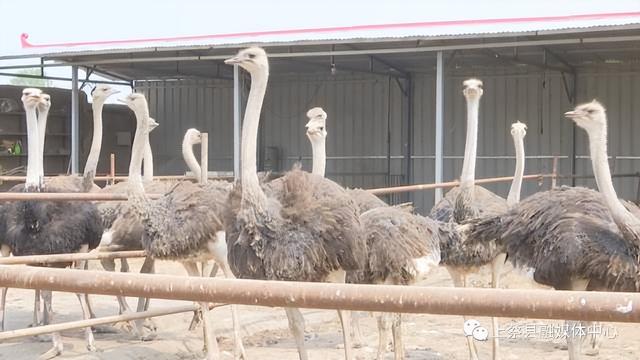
(47, 317)
(210, 342)
(496, 270)
(396, 328)
(460, 280)
(4, 251)
(573, 328)
(123, 306)
(384, 324)
(355, 327)
(219, 250)
(86, 312)
(143, 303)
(36, 308)
(296, 324)
(339, 277)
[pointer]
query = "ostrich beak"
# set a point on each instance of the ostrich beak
(232, 61)
(571, 114)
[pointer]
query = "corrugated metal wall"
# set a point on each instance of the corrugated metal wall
(367, 125)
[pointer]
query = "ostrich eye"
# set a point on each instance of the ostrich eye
(322, 128)
(252, 56)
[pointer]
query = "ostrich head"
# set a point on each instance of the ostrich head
(31, 97)
(519, 129)
(193, 136)
(590, 116)
(472, 89)
(101, 92)
(45, 102)
(316, 127)
(250, 59)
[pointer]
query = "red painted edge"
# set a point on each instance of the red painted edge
(26, 44)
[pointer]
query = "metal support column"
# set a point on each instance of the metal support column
(236, 122)
(439, 123)
(75, 113)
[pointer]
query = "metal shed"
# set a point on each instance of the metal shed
(392, 92)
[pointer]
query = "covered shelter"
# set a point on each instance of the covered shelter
(390, 82)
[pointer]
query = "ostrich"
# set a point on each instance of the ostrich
(572, 238)
(74, 183)
(41, 227)
(183, 225)
(317, 134)
(299, 227)
(402, 248)
(469, 201)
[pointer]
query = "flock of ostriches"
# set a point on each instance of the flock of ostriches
(304, 227)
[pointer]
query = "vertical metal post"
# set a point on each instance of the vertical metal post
(573, 129)
(75, 113)
(236, 122)
(439, 123)
(204, 158)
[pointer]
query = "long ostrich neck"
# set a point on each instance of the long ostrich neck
(467, 178)
(190, 158)
(318, 148)
(91, 166)
(148, 162)
(600, 163)
(251, 191)
(516, 185)
(139, 141)
(42, 127)
(33, 150)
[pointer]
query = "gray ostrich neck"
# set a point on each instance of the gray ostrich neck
(148, 162)
(467, 178)
(42, 127)
(516, 185)
(91, 166)
(251, 192)
(600, 162)
(318, 148)
(190, 158)
(33, 151)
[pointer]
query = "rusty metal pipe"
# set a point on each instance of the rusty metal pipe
(15, 196)
(540, 304)
(58, 258)
(450, 184)
(45, 329)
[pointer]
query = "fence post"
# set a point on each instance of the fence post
(554, 173)
(112, 169)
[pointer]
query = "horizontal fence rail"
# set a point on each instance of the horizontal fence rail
(11, 196)
(71, 325)
(541, 304)
(418, 187)
(58, 258)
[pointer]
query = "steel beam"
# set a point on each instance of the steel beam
(237, 122)
(495, 45)
(439, 152)
(59, 258)
(539, 304)
(75, 120)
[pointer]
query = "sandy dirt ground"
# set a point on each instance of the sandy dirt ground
(266, 335)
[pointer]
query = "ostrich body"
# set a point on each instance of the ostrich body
(469, 201)
(401, 247)
(183, 225)
(41, 227)
(300, 227)
(569, 238)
